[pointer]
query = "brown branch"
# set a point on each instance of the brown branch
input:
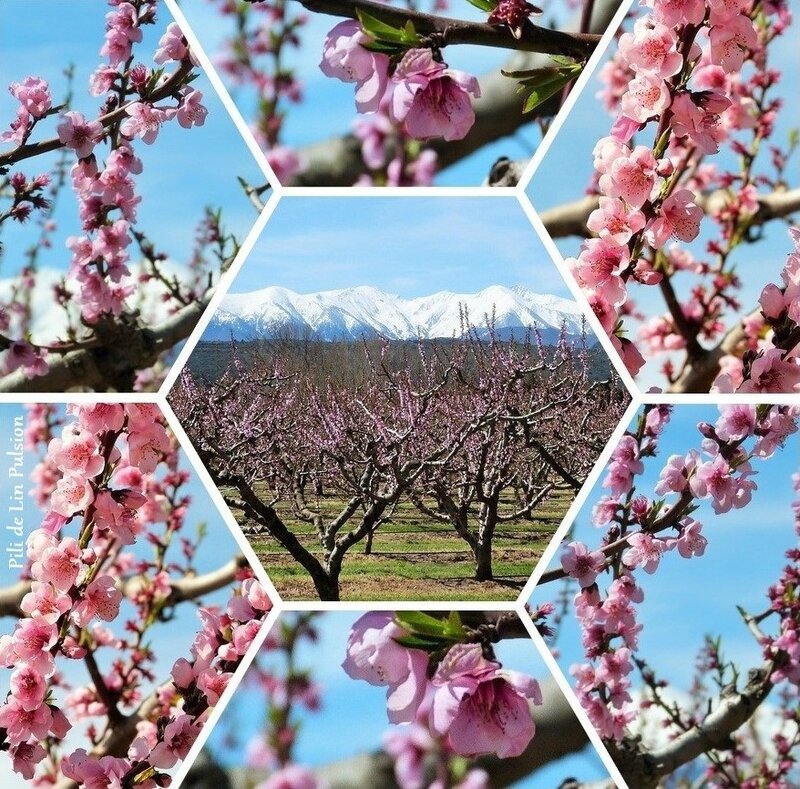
(644, 769)
(45, 146)
(193, 586)
(113, 363)
(459, 31)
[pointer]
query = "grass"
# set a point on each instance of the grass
(414, 557)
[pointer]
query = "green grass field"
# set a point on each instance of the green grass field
(415, 558)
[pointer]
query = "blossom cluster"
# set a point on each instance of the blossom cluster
(422, 95)
(98, 481)
(136, 101)
(469, 702)
(641, 530)
(679, 74)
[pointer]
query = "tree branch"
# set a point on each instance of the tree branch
(459, 31)
(570, 219)
(113, 363)
(181, 590)
(45, 146)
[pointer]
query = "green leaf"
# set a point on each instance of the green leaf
(418, 622)
(384, 33)
(542, 83)
(454, 628)
(420, 642)
(485, 5)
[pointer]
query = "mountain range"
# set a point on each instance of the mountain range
(355, 313)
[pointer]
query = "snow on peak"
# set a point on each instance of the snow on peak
(365, 311)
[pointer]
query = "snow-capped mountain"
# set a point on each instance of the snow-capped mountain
(354, 313)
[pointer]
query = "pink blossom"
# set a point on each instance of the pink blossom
(191, 111)
(715, 480)
(46, 603)
(652, 47)
(28, 687)
(22, 724)
(678, 12)
(144, 120)
(171, 46)
(600, 266)
(730, 42)
(430, 99)
(374, 655)
(345, 58)
(631, 177)
(101, 599)
(678, 217)
(178, 737)
(736, 422)
(674, 477)
(147, 446)
(772, 301)
(106, 772)
(25, 756)
(33, 93)
(31, 643)
(77, 133)
(73, 494)
(613, 219)
(690, 542)
(478, 707)
(21, 353)
(284, 162)
(581, 563)
(645, 551)
(772, 371)
(59, 564)
(697, 116)
(77, 451)
(647, 97)
(408, 746)
(292, 776)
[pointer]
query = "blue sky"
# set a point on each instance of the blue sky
(320, 739)
(185, 170)
(686, 599)
(564, 175)
(328, 108)
(170, 639)
(408, 246)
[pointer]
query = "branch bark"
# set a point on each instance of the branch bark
(459, 31)
(645, 770)
(111, 364)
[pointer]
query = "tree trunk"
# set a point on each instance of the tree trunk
(368, 543)
(327, 588)
(483, 560)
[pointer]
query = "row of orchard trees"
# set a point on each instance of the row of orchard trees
(474, 432)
